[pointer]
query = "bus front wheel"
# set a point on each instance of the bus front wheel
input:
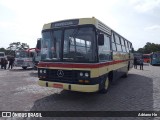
(125, 74)
(24, 68)
(106, 85)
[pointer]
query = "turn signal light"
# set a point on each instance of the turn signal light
(81, 81)
(86, 81)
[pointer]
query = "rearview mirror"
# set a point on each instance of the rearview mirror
(38, 46)
(100, 39)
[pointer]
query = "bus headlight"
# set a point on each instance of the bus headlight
(44, 71)
(81, 74)
(40, 71)
(86, 74)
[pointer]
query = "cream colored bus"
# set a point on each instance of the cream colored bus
(82, 55)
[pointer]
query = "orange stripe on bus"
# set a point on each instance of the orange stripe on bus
(79, 65)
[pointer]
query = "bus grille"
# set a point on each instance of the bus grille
(69, 76)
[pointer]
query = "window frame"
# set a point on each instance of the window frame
(110, 47)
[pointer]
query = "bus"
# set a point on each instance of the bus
(146, 58)
(28, 58)
(83, 55)
(155, 58)
(24, 58)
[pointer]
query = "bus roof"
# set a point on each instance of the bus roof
(81, 21)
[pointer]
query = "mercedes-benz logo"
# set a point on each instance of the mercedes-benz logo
(60, 73)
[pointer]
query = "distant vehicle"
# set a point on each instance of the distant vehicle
(2, 55)
(138, 56)
(23, 58)
(28, 58)
(155, 58)
(146, 58)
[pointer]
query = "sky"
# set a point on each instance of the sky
(136, 20)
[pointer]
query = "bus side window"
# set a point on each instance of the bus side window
(126, 46)
(113, 40)
(117, 40)
(114, 48)
(123, 45)
(105, 50)
(122, 41)
(119, 48)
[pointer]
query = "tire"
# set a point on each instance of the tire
(106, 85)
(125, 75)
(24, 68)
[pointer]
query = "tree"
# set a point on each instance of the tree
(2, 49)
(149, 47)
(17, 46)
(7, 52)
(140, 50)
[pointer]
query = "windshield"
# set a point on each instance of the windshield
(69, 45)
(22, 54)
(156, 55)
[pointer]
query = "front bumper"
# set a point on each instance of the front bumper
(25, 64)
(72, 87)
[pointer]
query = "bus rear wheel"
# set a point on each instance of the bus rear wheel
(106, 85)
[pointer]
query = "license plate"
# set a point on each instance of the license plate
(57, 85)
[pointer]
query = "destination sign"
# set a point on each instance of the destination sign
(65, 23)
